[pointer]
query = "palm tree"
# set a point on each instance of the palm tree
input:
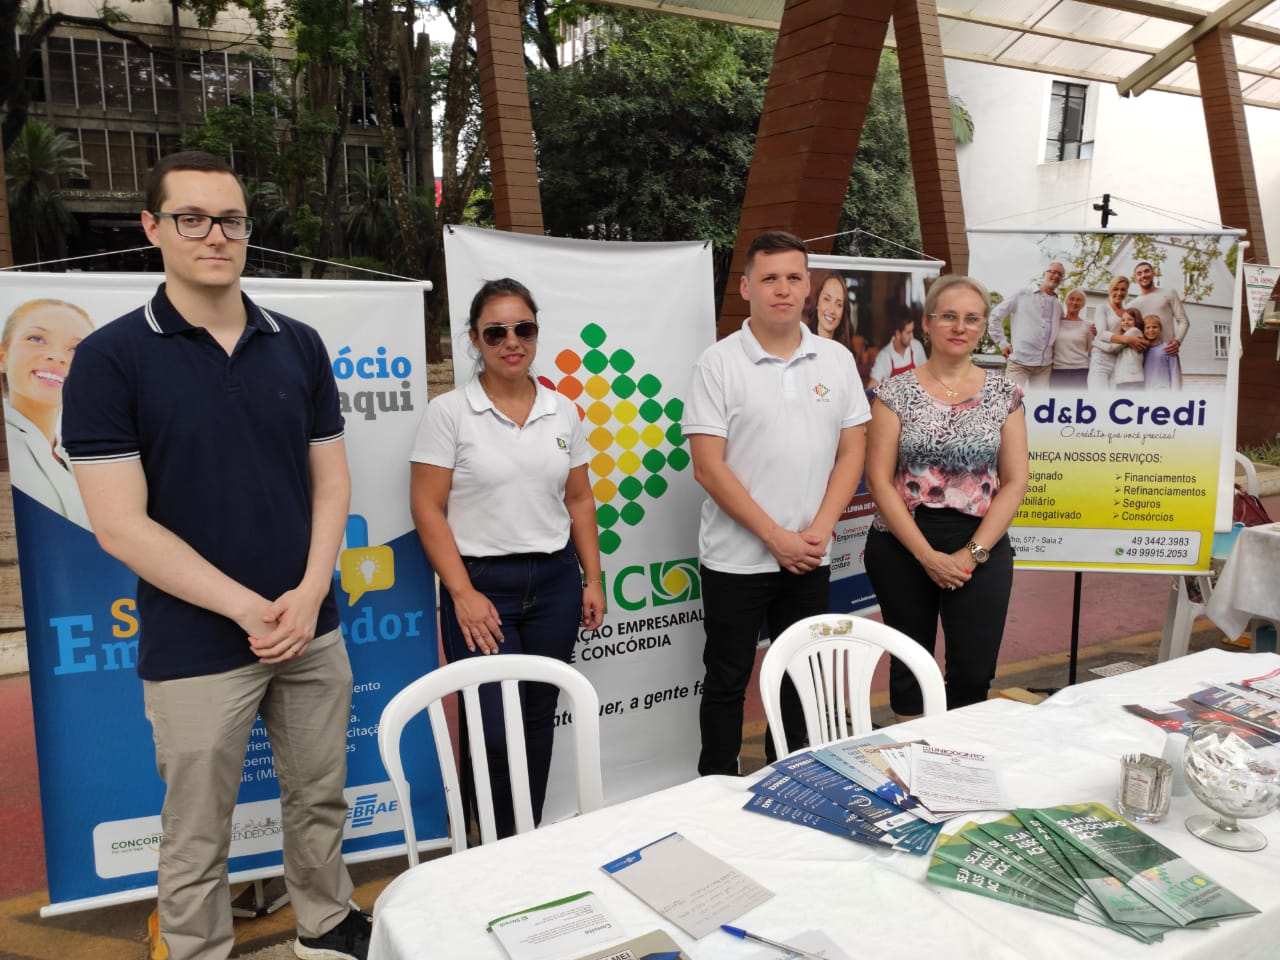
(370, 221)
(272, 224)
(39, 220)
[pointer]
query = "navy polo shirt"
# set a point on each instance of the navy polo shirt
(224, 442)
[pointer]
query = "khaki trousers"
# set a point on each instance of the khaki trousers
(1028, 376)
(201, 728)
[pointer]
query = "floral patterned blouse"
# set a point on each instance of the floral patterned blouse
(948, 452)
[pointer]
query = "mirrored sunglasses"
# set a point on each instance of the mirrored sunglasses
(526, 330)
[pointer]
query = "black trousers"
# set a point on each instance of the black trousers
(734, 606)
(972, 616)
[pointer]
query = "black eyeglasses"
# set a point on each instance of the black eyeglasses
(197, 226)
(494, 335)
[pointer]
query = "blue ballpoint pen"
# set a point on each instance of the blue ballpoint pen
(786, 950)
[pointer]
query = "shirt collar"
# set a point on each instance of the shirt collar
(163, 317)
(757, 354)
(544, 401)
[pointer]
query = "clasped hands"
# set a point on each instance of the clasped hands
(949, 570)
(798, 551)
(289, 622)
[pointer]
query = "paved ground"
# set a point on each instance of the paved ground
(1120, 622)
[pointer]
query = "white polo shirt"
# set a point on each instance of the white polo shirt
(781, 422)
(507, 494)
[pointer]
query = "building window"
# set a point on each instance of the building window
(62, 75)
(1065, 136)
(93, 147)
(88, 73)
(1221, 341)
(115, 75)
(142, 95)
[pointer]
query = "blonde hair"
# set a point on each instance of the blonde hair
(20, 313)
(949, 280)
(31, 306)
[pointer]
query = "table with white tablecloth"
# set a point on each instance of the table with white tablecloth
(873, 902)
(1249, 586)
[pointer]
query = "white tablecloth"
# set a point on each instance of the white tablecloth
(1249, 585)
(874, 903)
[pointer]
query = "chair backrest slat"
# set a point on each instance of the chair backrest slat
(831, 659)
(466, 677)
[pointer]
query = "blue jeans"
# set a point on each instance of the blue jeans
(538, 597)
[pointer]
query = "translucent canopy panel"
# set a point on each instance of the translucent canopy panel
(1136, 44)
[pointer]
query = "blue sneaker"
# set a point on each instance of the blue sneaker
(349, 940)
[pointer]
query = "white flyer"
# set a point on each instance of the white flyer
(569, 927)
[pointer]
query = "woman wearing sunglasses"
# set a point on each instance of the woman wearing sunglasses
(504, 508)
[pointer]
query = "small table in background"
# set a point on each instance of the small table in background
(1248, 588)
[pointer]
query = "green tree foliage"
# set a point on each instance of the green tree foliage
(881, 200)
(39, 220)
(1198, 256)
(248, 126)
(1089, 264)
(650, 136)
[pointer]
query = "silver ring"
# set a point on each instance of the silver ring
(294, 649)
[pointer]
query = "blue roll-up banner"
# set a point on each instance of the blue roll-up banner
(99, 790)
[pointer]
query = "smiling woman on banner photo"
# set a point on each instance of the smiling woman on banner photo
(504, 508)
(36, 347)
(947, 466)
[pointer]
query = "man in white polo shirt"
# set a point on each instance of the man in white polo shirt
(774, 419)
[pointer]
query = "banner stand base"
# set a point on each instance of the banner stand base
(260, 898)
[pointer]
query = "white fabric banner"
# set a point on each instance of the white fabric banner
(622, 324)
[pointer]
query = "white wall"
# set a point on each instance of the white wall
(1151, 150)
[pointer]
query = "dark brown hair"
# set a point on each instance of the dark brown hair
(185, 160)
(818, 279)
(774, 241)
(492, 290)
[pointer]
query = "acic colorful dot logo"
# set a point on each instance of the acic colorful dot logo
(635, 433)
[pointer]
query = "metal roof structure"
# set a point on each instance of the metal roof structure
(1138, 45)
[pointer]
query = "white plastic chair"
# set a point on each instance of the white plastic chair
(1181, 611)
(830, 659)
(466, 676)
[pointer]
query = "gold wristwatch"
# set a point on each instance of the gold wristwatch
(980, 554)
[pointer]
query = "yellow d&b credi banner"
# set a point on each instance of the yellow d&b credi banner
(1131, 438)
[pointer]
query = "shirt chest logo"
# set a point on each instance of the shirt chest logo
(822, 393)
(563, 444)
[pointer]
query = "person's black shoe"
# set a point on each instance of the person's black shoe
(349, 940)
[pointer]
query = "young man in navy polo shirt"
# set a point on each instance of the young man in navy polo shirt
(775, 421)
(207, 444)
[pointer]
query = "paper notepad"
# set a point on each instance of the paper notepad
(693, 889)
